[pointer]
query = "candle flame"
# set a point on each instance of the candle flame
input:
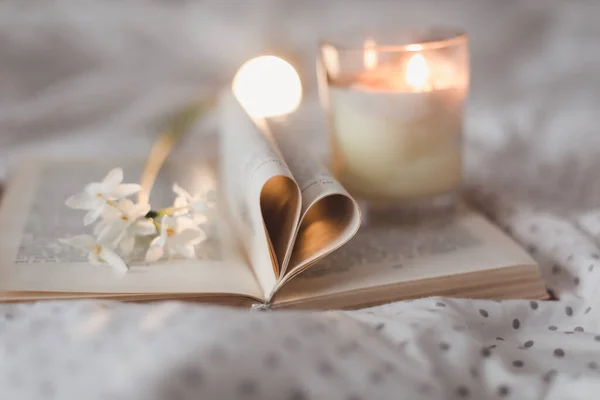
(267, 86)
(370, 58)
(417, 72)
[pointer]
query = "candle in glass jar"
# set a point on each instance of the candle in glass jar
(396, 128)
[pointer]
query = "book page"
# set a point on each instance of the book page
(33, 216)
(261, 193)
(385, 252)
(330, 217)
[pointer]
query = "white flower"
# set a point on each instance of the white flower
(200, 204)
(178, 235)
(98, 253)
(96, 194)
(122, 224)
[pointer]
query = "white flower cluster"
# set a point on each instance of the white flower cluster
(120, 222)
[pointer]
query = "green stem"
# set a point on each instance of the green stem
(176, 128)
(171, 210)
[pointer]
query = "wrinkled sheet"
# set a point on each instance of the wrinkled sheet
(94, 78)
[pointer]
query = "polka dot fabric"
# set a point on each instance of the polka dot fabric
(421, 349)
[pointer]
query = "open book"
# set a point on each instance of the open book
(278, 237)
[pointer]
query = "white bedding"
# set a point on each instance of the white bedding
(78, 76)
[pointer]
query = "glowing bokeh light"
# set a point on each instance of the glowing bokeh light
(267, 86)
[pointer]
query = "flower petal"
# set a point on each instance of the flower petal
(92, 215)
(94, 259)
(86, 242)
(181, 192)
(127, 244)
(199, 219)
(101, 226)
(154, 254)
(139, 210)
(168, 222)
(83, 201)
(126, 206)
(201, 238)
(185, 222)
(111, 233)
(180, 202)
(111, 214)
(124, 190)
(159, 241)
(144, 227)
(189, 236)
(113, 260)
(94, 188)
(113, 178)
(186, 250)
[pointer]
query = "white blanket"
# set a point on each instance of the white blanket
(80, 76)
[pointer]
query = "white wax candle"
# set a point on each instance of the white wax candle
(394, 144)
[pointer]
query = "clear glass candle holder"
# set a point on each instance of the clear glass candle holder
(395, 104)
